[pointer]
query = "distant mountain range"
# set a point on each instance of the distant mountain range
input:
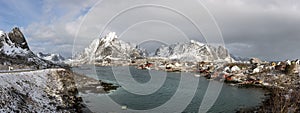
(238, 58)
(194, 51)
(55, 58)
(111, 48)
(15, 50)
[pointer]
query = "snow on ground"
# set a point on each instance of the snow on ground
(30, 91)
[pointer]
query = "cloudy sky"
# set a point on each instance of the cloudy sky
(267, 29)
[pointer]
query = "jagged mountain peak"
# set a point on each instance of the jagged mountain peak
(17, 37)
(110, 37)
(196, 42)
(14, 43)
(194, 51)
(15, 50)
(109, 47)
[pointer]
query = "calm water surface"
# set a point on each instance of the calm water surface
(229, 100)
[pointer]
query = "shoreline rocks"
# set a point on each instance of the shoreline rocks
(48, 90)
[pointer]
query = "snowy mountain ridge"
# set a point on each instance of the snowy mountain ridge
(15, 50)
(109, 48)
(55, 58)
(13, 43)
(194, 51)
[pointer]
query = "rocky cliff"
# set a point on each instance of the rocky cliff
(109, 48)
(14, 50)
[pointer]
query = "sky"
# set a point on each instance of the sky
(267, 29)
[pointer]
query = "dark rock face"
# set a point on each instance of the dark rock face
(223, 52)
(57, 58)
(107, 51)
(14, 50)
(17, 37)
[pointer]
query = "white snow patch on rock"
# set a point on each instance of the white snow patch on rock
(109, 38)
(12, 50)
(2, 33)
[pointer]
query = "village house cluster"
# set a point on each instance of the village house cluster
(253, 72)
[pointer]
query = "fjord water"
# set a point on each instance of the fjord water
(230, 98)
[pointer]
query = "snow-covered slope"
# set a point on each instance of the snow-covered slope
(15, 50)
(194, 51)
(109, 48)
(55, 58)
(13, 43)
(41, 91)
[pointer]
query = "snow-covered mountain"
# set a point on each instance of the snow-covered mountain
(55, 58)
(109, 48)
(194, 51)
(238, 58)
(14, 43)
(15, 50)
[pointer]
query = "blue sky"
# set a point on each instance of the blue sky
(44, 22)
(19, 13)
(25, 12)
(250, 28)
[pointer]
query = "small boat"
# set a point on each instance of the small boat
(232, 84)
(196, 75)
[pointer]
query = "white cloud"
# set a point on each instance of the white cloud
(56, 28)
(247, 25)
